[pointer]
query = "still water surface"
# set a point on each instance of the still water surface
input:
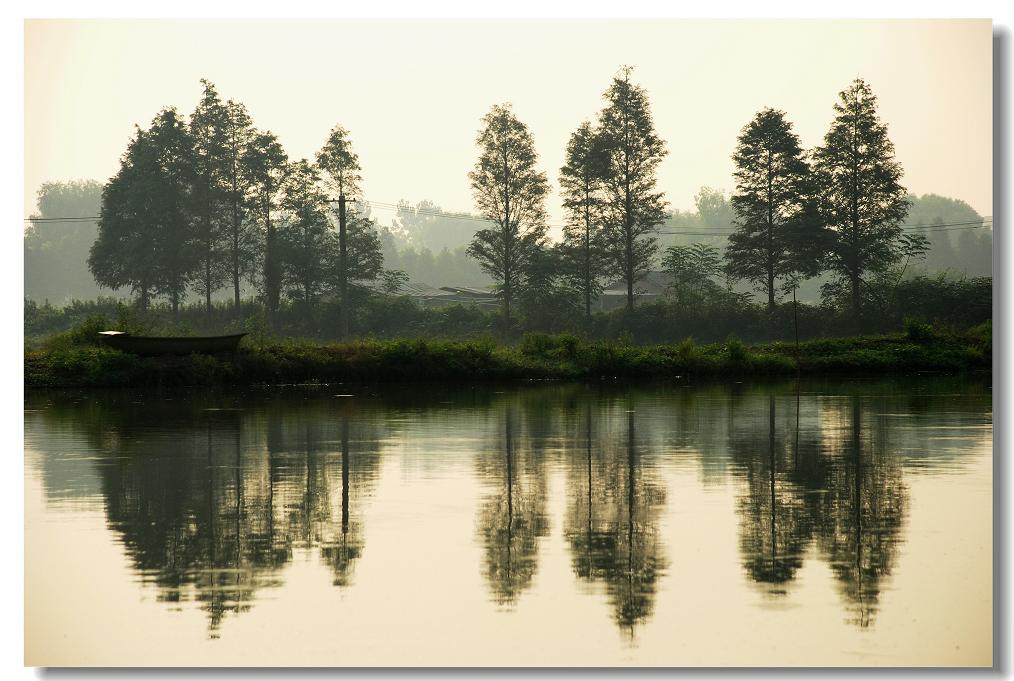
(729, 524)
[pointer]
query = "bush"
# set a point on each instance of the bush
(918, 331)
(735, 351)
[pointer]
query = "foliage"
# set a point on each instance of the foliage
(633, 206)
(208, 193)
(945, 302)
(861, 200)
(692, 270)
(146, 239)
(55, 250)
(582, 252)
(772, 193)
(306, 243)
(510, 192)
(266, 165)
(265, 361)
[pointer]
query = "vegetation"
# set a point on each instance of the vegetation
(776, 230)
(185, 211)
(76, 358)
(634, 207)
(709, 314)
(212, 209)
(861, 201)
(583, 249)
(511, 193)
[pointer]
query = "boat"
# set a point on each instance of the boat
(170, 345)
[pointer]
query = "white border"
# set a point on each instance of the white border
(12, 114)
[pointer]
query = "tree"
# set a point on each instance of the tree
(581, 187)
(306, 241)
(771, 194)
(55, 250)
(714, 211)
(340, 167)
(122, 254)
(265, 165)
(241, 248)
(209, 131)
(964, 246)
(172, 178)
(861, 199)
(692, 270)
(426, 225)
(634, 209)
(146, 240)
(510, 192)
(364, 259)
(548, 299)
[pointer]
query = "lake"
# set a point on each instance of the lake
(825, 523)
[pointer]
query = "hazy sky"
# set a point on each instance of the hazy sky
(412, 92)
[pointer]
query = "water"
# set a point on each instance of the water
(714, 524)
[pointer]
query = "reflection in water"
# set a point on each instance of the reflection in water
(210, 505)
(204, 515)
(840, 487)
(775, 527)
(612, 521)
(512, 517)
(861, 515)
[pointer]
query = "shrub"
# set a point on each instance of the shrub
(918, 331)
(735, 351)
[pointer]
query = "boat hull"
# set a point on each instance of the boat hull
(180, 345)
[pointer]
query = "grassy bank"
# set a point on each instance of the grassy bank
(74, 360)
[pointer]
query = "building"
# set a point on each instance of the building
(654, 286)
(431, 297)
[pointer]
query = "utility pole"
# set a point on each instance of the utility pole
(343, 270)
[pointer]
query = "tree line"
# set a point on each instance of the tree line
(210, 202)
(836, 209)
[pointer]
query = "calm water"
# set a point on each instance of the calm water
(840, 523)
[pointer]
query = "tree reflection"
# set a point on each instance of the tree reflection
(208, 517)
(861, 515)
(211, 505)
(838, 486)
(612, 522)
(512, 517)
(775, 527)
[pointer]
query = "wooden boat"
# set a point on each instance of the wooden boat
(170, 345)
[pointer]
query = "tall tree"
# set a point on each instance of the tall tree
(173, 177)
(510, 192)
(861, 199)
(339, 166)
(241, 242)
(265, 165)
(122, 254)
(305, 236)
(581, 187)
(209, 131)
(771, 194)
(145, 238)
(634, 207)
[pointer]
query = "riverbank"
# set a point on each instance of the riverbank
(536, 357)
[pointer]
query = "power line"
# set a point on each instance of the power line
(704, 230)
(910, 229)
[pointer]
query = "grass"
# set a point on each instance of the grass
(75, 359)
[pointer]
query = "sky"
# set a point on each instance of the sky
(412, 92)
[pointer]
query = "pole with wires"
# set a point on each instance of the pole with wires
(343, 270)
